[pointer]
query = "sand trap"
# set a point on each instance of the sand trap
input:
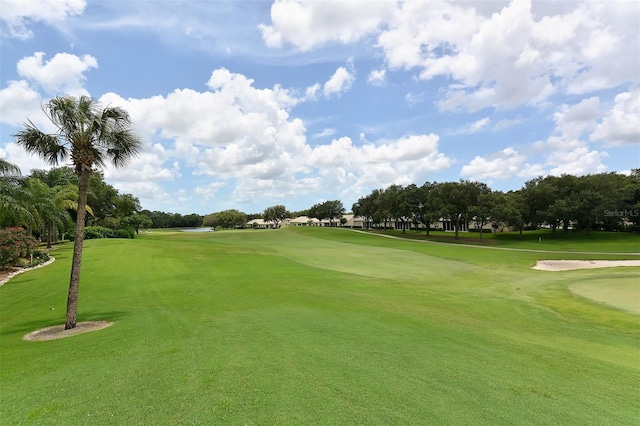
(569, 265)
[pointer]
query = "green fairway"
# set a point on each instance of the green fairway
(321, 326)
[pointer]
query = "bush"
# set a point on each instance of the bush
(93, 232)
(39, 257)
(484, 231)
(15, 243)
(124, 233)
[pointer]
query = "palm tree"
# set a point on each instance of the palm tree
(89, 136)
(14, 206)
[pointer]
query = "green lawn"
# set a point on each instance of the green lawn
(319, 326)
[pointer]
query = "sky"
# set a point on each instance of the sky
(249, 104)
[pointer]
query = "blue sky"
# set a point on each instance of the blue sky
(250, 104)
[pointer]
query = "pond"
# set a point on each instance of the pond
(197, 230)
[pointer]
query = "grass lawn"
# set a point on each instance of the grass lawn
(543, 239)
(321, 326)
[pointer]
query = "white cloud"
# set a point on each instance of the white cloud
(502, 165)
(564, 151)
(18, 101)
(377, 77)
(573, 121)
(324, 133)
(310, 24)
(480, 124)
(513, 57)
(27, 162)
(233, 132)
(356, 168)
(414, 98)
(506, 123)
(150, 163)
(579, 161)
(207, 192)
(621, 125)
(339, 82)
(18, 14)
(64, 73)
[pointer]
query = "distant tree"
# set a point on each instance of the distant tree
(275, 214)
(137, 221)
(192, 220)
(126, 205)
(631, 199)
(482, 210)
(458, 199)
(334, 210)
(509, 210)
(89, 136)
(429, 206)
(327, 210)
(227, 219)
(366, 207)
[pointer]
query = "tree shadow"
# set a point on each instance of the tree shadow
(27, 327)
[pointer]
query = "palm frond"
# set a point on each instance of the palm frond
(48, 147)
(9, 169)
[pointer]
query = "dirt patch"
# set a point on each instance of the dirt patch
(4, 273)
(7, 274)
(58, 331)
(570, 265)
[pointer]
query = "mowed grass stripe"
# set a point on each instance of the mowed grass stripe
(240, 328)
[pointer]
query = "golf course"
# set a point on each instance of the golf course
(326, 326)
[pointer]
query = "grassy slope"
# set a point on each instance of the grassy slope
(315, 326)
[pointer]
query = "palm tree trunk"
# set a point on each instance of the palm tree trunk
(49, 234)
(74, 282)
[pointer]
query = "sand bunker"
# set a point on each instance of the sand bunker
(569, 265)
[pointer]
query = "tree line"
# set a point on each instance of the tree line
(608, 201)
(46, 204)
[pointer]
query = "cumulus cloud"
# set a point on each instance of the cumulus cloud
(310, 24)
(621, 125)
(368, 165)
(572, 121)
(566, 150)
(498, 55)
(18, 14)
(234, 131)
(64, 73)
(502, 165)
(339, 82)
(27, 162)
(377, 77)
(19, 100)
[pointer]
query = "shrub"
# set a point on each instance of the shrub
(39, 257)
(15, 243)
(93, 232)
(124, 233)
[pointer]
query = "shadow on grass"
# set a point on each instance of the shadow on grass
(27, 327)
